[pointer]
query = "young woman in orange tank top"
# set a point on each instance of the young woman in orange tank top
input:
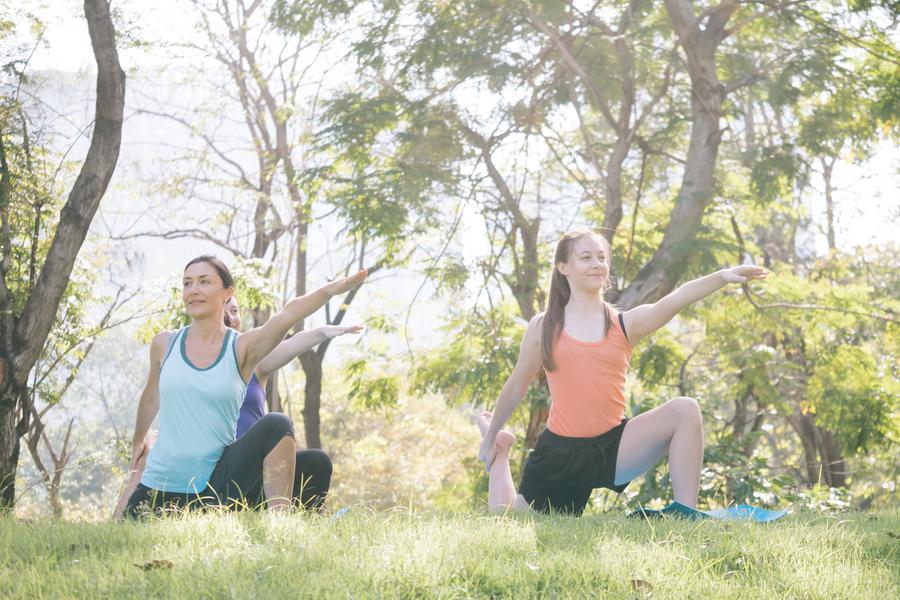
(584, 345)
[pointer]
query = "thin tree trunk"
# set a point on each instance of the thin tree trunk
(837, 466)
(808, 441)
(827, 171)
(9, 447)
(273, 398)
(312, 401)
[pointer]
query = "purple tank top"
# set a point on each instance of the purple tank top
(253, 408)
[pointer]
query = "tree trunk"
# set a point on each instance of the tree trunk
(832, 458)
(824, 461)
(808, 440)
(9, 448)
(312, 366)
(660, 275)
(36, 319)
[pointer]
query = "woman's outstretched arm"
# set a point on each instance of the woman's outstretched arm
(514, 389)
(643, 320)
(256, 344)
(297, 344)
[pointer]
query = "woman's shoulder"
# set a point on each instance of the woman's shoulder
(536, 321)
(162, 343)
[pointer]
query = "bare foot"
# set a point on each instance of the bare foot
(505, 438)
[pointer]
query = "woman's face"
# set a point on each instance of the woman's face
(588, 264)
(234, 313)
(203, 292)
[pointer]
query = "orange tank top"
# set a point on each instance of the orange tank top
(587, 388)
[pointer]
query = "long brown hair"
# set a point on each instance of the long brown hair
(555, 315)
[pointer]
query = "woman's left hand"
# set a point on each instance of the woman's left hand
(346, 284)
(744, 273)
(332, 331)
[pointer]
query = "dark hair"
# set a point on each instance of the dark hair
(555, 315)
(218, 265)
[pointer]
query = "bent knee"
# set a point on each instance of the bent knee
(315, 461)
(277, 424)
(687, 409)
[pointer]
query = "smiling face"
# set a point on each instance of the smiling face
(588, 265)
(203, 292)
(234, 313)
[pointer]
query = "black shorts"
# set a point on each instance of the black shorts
(237, 479)
(561, 472)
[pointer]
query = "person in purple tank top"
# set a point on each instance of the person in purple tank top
(313, 465)
(254, 406)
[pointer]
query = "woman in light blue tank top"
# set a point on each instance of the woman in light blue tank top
(312, 466)
(197, 383)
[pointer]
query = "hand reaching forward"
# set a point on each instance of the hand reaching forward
(744, 273)
(346, 284)
(333, 331)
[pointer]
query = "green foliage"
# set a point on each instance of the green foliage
(474, 365)
(390, 157)
(851, 398)
(774, 173)
(254, 284)
(302, 16)
(372, 392)
(658, 361)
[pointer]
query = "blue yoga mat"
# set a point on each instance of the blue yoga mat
(740, 512)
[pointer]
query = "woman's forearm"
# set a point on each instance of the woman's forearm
(147, 409)
(289, 349)
(509, 399)
(687, 294)
(696, 289)
(301, 307)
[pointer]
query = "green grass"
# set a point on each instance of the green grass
(402, 554)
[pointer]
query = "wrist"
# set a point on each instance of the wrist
(328, 290)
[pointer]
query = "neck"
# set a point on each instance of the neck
(208, 329)
(585, 301)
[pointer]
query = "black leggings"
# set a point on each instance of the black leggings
(236, 482)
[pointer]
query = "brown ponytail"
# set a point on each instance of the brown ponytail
(555, 316)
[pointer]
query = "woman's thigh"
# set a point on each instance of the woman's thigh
(646, 439)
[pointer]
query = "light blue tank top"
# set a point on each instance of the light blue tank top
(198, 413)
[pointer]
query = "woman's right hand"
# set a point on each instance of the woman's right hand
(138, 455)
(488, 452)
(139, 452)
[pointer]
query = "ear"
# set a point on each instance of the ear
(562, 268)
